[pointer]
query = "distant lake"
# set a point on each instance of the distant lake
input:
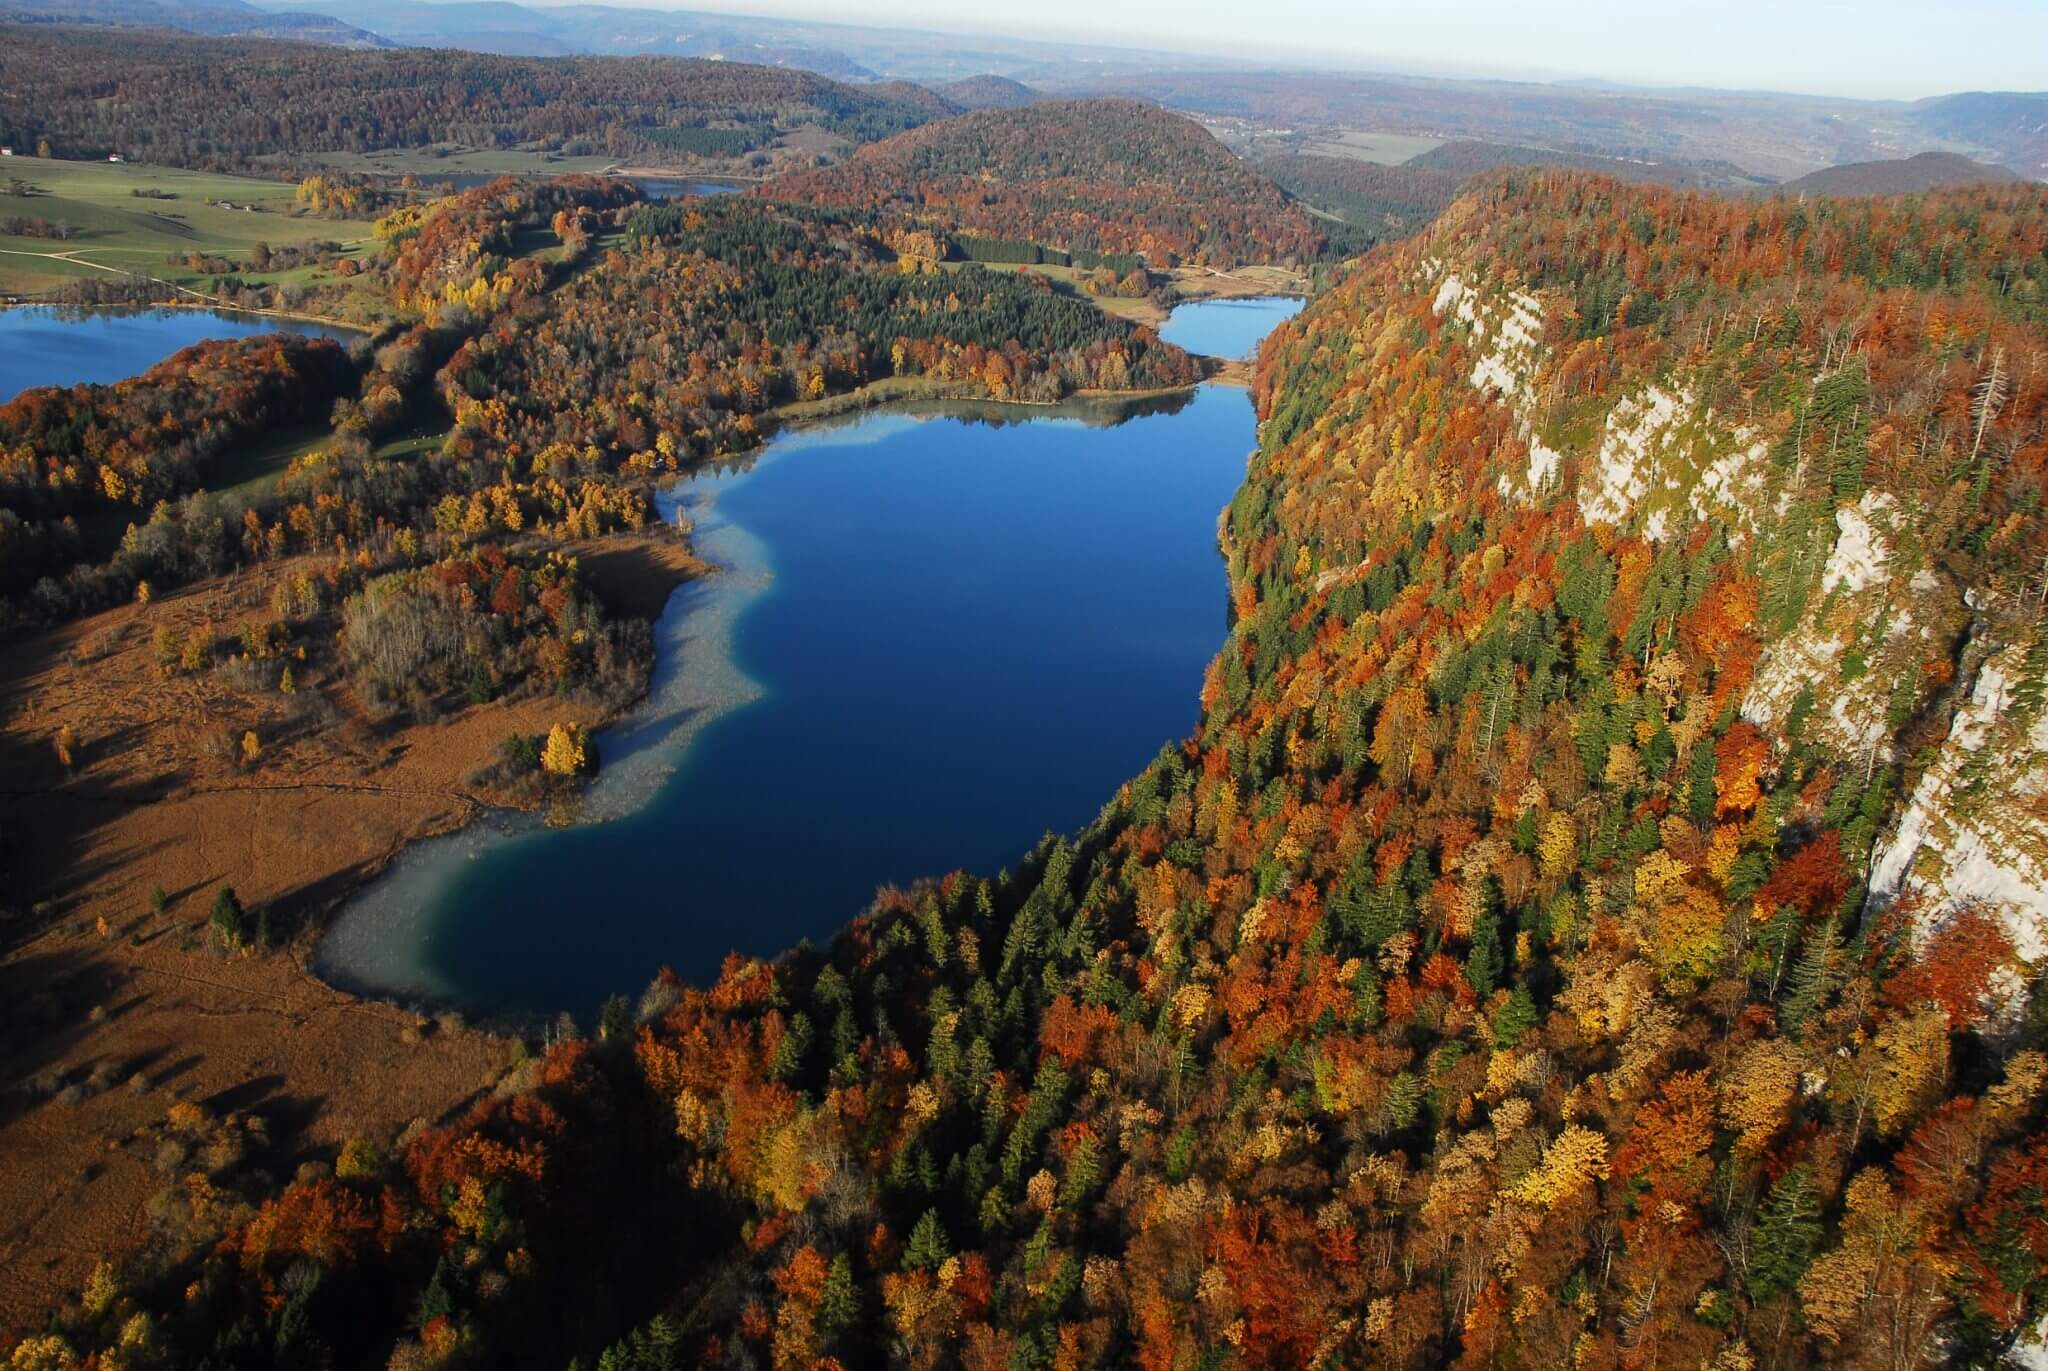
(936, 639)
(660, 188)
(653, 187)
(55, 345)
(1226, 328)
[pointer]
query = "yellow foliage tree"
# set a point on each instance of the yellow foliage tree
(1559, 846)
(1687, 942)
(1573, 1161)
(565, 753)
(1914, 1054)
(1757, 1090)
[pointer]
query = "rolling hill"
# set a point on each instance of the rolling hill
(1102, 176)
(1469, 157)
(229, 18)
(235, 103)
(1383, 201)
(989, 92)
(2010, 127)
(1898, 176)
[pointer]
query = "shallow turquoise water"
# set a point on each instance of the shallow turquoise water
(936, 639)
(48, 345)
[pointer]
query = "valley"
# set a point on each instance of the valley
(1123, 709)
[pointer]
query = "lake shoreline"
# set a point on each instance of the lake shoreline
(13, 302)
(728, 568)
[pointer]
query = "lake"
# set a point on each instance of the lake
(1226, 328)
(54, 345)
(653, 187)
(936, 638)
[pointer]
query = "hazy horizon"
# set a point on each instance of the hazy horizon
(1877, 49)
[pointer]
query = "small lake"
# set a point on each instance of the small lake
(938, 636)
(661, 188)
(653, 187)
(56, 345)
(1226, 328)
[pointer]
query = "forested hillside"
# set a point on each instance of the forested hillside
(1897, 176)
(567, 340)
(1106, 176)
(988, 92)
(239, 103)
(675, 347)
(236, 17)
(1533, 959)
(1384, 202)
(1465, 157)
(119, 450)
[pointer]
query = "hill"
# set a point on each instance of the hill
(935, 104)
(1468, 157)
(989, 92)
(1589, 925)
(223, 17)
(236, 103)
(1898, 176)
(2009, 126)
(1383, 201)
(1104, 176)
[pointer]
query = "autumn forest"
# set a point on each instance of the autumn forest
(1596, 920)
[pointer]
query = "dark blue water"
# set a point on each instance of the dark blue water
(46, 345)
(938, 640)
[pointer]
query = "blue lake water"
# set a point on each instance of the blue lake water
(653, 187)
(935, 639)
(664, 188)
(1226, 328)
(50, 345)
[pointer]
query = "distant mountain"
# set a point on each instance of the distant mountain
(2009, 126)
(1088, 176)
(845, 52)
(1772, 135)
(989, 92)
(230, 18)
(1470, 157)
(1899, 176)
(500, 27)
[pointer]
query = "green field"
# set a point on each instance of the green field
(113, 228)
(1387, 149)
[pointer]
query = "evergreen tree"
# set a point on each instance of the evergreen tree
(1787, 1232)
(928, 1248)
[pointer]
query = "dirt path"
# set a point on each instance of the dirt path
(197, 298)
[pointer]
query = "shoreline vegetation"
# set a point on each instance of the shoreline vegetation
(202, 304)
(909, 397)
(345, 831)
(156, 780)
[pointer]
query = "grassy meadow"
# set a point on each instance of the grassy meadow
(112, 227)
(1364, 145)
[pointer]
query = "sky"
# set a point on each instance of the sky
(1868, 48)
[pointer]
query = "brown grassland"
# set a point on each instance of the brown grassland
(114, 1011)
